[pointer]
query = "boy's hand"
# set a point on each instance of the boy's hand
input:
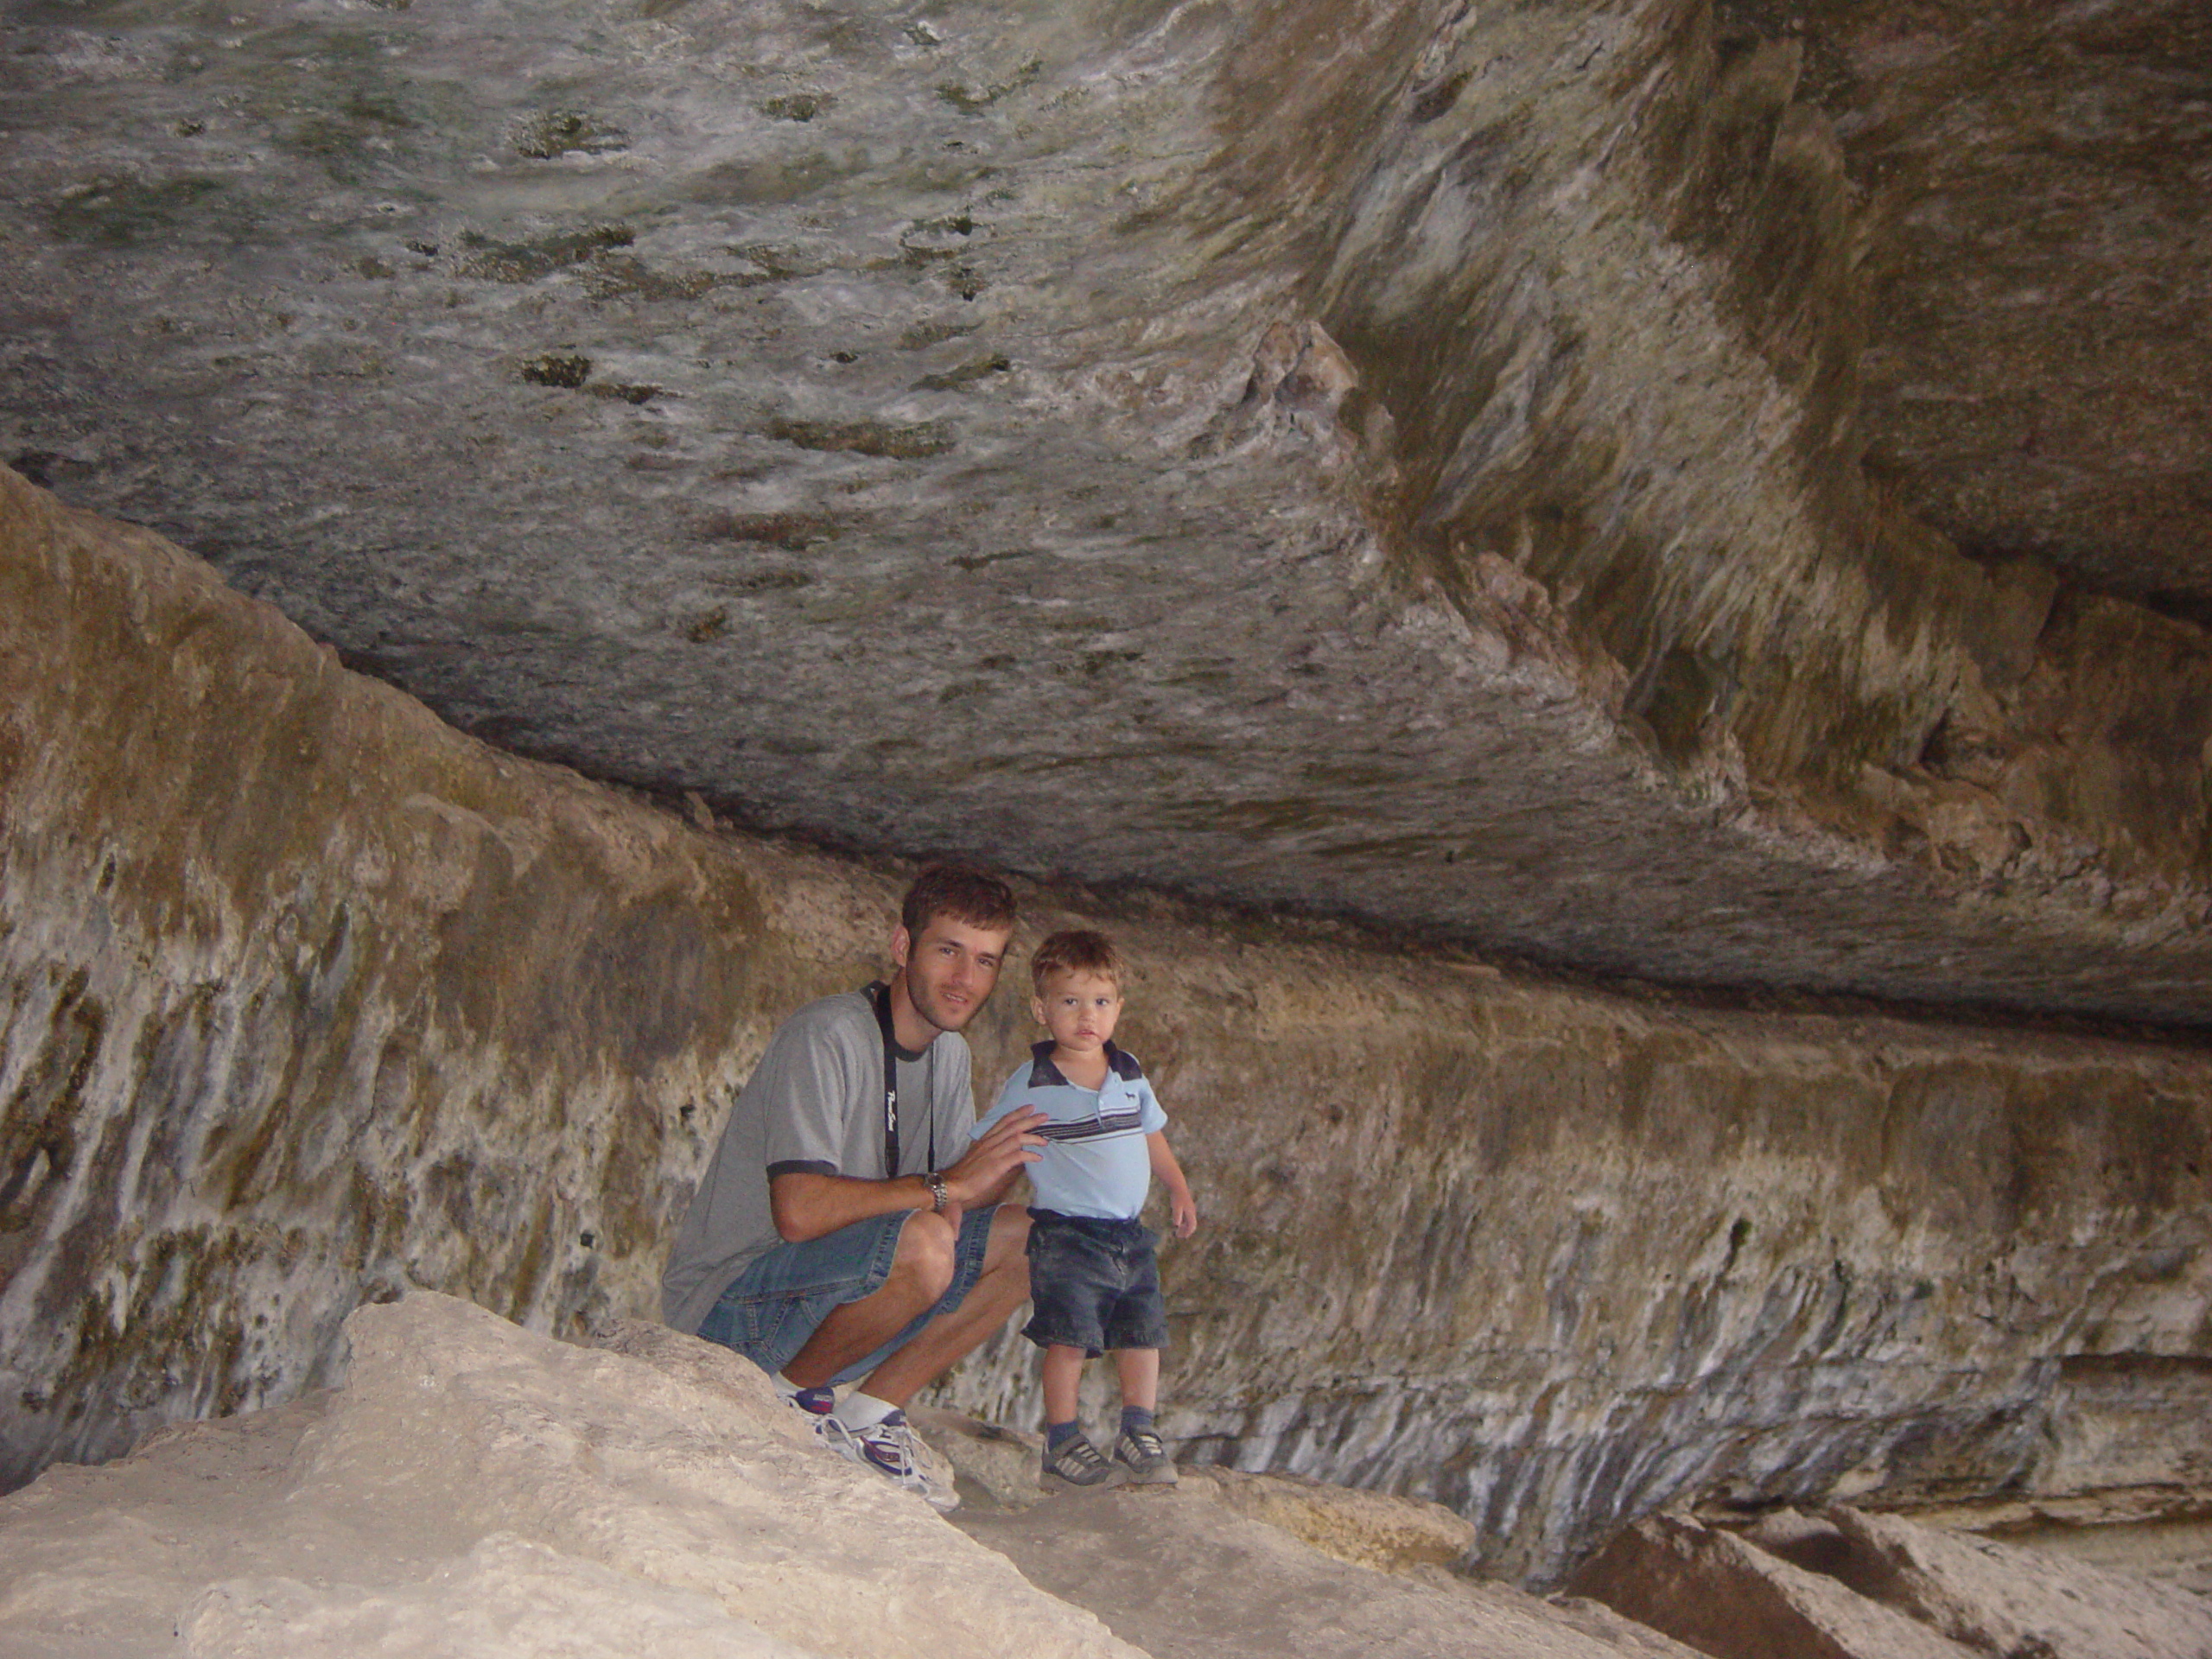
(1183, 1213)
(997, 1156)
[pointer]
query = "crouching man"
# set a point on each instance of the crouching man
(846, 1229)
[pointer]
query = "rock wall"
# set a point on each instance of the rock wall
(1554, 1261)
(309, 997)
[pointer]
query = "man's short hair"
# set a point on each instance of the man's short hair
(1077, 951)
(954, 890)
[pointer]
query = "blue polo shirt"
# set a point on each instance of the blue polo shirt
(1095, 1160)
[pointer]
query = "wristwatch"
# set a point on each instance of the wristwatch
(939, 1196)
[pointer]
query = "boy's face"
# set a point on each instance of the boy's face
(1079, 1010)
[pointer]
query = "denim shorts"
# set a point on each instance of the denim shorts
(772, 1307)
(1094, 1284)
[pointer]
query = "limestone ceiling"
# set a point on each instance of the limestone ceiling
(2037, 178)
(1600, 482)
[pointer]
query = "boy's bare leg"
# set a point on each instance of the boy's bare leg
(1062, 1380)
(920, 1271)
(950, 1337)
(1139, 1373)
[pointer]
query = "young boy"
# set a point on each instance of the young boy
(1092, 1277)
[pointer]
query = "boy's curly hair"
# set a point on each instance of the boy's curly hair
(1077, 951)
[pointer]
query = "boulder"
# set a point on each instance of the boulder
(1728, 1597)
(1874, 1586)
(476, 1488)
(2004, 1601)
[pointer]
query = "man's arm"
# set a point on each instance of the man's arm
(807, 1203)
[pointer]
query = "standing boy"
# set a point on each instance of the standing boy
(1093, 1280)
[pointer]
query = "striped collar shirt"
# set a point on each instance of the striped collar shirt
(1095, 1160)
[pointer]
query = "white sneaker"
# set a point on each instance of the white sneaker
(933, 1468)
(813, 1405)
(891, 1448)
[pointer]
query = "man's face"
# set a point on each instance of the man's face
(950, 968)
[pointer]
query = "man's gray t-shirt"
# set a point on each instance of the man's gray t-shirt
(814, 1103)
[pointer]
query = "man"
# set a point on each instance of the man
(846, 1227)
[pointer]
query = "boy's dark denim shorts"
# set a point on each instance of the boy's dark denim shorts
(773, 1306)
(1094, 1284)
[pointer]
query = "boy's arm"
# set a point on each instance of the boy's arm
(1169, 1174)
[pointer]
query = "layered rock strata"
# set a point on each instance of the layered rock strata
(310, 998)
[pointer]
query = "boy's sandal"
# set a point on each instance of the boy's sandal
(1077, 1466)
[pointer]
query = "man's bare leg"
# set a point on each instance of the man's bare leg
(921, 1271)
(950, 1337)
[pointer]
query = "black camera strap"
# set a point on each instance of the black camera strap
(880, 995)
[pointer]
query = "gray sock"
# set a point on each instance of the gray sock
(1059, 1435)
(1134, 1418)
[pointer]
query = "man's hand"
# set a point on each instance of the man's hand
(809, 1205)
(999, 1154)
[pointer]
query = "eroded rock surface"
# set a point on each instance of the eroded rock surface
(2033, 188)
(473, 1490)
(1428, 440)
(998, 1469)
(310, 998)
